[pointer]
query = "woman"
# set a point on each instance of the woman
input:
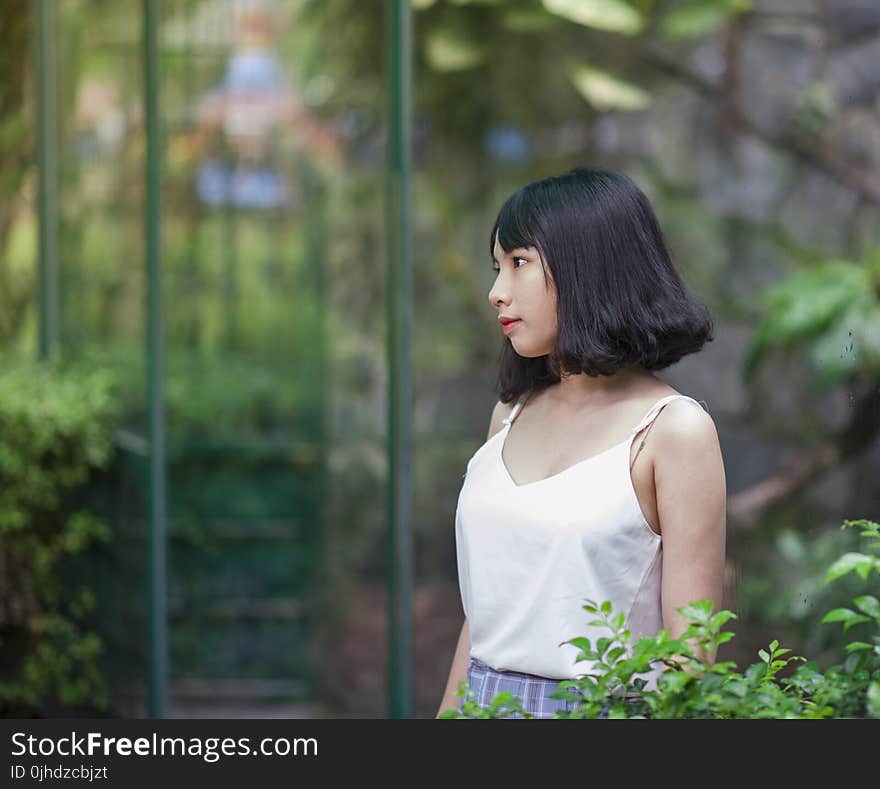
(568, 499)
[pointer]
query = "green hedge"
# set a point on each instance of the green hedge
(55, 432)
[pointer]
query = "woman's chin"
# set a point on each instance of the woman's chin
(524, 349)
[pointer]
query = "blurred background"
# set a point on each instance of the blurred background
(752, 125)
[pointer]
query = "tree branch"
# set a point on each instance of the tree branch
(745, 507)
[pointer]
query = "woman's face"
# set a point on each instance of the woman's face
(520, 292)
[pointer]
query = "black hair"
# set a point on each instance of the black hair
(620, 301)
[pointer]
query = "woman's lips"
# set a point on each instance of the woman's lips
(506, 327)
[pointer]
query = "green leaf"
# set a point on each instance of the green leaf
(718, 620)
(616, 16)
(849, 618)
(676, 679)
(805, 305)
(859, 562)
(855, 646)
(699, 17)
(834, 354)
(724, 637)
(869, 605)
(838, 615)
(697, 611)
(606, 92)
(530, 20)
(448, 50)
(810, 300)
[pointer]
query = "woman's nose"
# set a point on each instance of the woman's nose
(497, 295)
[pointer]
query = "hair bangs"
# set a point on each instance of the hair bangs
(516, 224)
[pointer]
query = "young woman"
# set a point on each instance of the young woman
(568, 498)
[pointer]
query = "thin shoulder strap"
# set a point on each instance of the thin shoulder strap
(656, 408)
(508, 420)
(648, 419)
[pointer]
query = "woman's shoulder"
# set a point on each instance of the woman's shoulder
(499, 413)
(679, 408)
(678, 402)
(683, 423)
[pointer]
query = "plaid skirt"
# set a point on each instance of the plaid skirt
(484, 682)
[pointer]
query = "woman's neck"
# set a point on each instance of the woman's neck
(575, 391)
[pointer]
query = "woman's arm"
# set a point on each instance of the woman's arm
(461, 659)
(691, 503)
(459, 670)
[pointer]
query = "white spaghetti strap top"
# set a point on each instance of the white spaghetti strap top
(530, 554)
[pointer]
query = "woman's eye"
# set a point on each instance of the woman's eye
(497, 268)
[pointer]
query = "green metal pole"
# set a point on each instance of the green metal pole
(315, 269)
(156, 368)
(230, 262)
(193, 214)
(45, 30)
(398, 69)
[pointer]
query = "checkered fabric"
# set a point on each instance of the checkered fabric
(533, 691)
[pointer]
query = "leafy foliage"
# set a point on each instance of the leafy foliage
(699, 17)
(221, 397)
(834, 308)
(55, 430)
(615, 16)
(691, 687)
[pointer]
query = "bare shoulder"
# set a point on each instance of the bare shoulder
(500, 412)
(686, 427)
(686, 415)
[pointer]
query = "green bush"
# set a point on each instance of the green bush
(221, 397)
(691, 687)
(55, 431)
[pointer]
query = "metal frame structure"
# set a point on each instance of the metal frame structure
(398, 27)
(399, 327)
(45, 15)
(157, 518)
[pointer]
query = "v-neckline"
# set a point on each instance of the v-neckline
(504, 433)
(628, 441)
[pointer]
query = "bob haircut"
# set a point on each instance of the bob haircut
(620, 301)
